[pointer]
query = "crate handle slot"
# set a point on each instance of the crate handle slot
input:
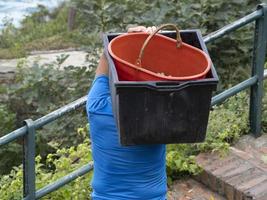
(178, 39)
(168, 83)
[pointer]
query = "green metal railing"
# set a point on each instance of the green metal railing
(255, 83)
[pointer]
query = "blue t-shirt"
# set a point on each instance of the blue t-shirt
(121, 173)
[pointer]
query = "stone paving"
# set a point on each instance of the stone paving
(190, 189)
(242, 174)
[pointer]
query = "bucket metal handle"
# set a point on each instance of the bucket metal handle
(178, 40)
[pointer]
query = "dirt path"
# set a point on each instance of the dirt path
(76, 58)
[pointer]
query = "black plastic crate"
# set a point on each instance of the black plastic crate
(162, 112)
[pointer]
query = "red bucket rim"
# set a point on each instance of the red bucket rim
(182, 78)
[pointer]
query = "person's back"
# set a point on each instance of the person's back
(120, 173)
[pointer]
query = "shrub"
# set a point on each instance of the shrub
(56, 165)
(38, 90)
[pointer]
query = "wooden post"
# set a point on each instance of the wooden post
(71, 18)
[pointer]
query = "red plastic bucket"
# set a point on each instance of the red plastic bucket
(144, 57)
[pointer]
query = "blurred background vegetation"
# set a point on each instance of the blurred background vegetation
(41, 88)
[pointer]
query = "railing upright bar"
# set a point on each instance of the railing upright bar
(259, 55)
(233, 26)
(29, 161)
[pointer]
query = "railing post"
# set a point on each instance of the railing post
(29, 161)
(259, 53)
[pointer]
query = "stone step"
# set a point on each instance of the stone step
(242, 174)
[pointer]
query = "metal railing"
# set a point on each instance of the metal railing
(255, 83)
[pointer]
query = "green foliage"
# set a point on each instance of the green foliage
(227, 123)
(7, 124)
(45, 87)
(10, 47)
(55, 166)
(180, 161)
(7, 120)
(208, 15)
(43, 30)
(7, 34)
(42, 88)
(43, 24)
(38, 90)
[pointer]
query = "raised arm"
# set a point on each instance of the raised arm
(102, 68)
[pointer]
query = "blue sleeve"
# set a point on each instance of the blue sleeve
(99, 100)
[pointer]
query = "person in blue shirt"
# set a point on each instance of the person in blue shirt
(121, 173)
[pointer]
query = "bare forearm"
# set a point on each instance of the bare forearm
(102, 68)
